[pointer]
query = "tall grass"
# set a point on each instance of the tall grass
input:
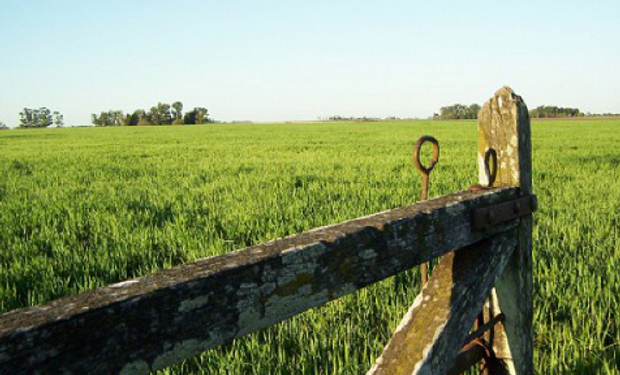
(82, 208)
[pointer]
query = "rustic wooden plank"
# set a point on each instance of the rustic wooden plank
(146, 324)
(434, 329)
(504, 125)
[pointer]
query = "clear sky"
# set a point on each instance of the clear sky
(276, 60)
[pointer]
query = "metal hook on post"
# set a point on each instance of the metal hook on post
(426, 171)
(489, 155)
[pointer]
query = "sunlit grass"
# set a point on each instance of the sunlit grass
(82, 208)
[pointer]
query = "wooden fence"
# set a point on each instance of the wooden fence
(483, 236)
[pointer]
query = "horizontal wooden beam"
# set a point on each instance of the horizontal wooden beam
(145, 324)
(431, 334)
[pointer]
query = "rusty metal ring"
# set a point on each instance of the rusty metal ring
(418, 148)
(491, 175)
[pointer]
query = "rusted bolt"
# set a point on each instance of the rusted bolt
(533, 203)
(490, 155)
(416, 154)
(516, 209)
(426, 171)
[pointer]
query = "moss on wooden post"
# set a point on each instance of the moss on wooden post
(429, 337)
(504, 125)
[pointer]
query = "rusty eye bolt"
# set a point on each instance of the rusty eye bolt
(426, 171)
(489, 155)
(491, 173)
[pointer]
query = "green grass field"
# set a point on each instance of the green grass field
(82, 208)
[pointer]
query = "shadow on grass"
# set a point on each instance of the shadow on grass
(594, 363)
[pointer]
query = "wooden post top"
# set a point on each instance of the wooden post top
(504, 125)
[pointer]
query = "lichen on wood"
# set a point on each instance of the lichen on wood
(433, 331)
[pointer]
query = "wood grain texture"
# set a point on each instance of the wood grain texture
(504, 125)
(432, 333)
(146, 324)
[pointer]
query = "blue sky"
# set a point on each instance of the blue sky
(292, 60)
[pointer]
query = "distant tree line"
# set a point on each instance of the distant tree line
(160, 114)
(606, 114)
(3, 126)
(551, 111)
(40, 118)
(458, 112)
(351, 118)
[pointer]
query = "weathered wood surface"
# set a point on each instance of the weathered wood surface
(149, 323)
(504, 125)
(434, 329)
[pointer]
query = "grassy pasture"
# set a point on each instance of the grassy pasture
(82, 208)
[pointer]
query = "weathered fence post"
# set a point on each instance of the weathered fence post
(430, 336)
(504, 125)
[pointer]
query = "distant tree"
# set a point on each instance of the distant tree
(135, 117)
(160, 114)
(26, 118)
(109, 118)
(118, 118)
(45, 117)
(202, 115)
(59, 120)
(153, 116)
(458, 112)
(3, 126)
(36, 118)
(198, 115)
(545, 111)
(473, 110)
(189, 118)
(100, 120)
(177, 112)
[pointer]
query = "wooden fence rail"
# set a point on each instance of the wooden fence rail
(146, 324)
